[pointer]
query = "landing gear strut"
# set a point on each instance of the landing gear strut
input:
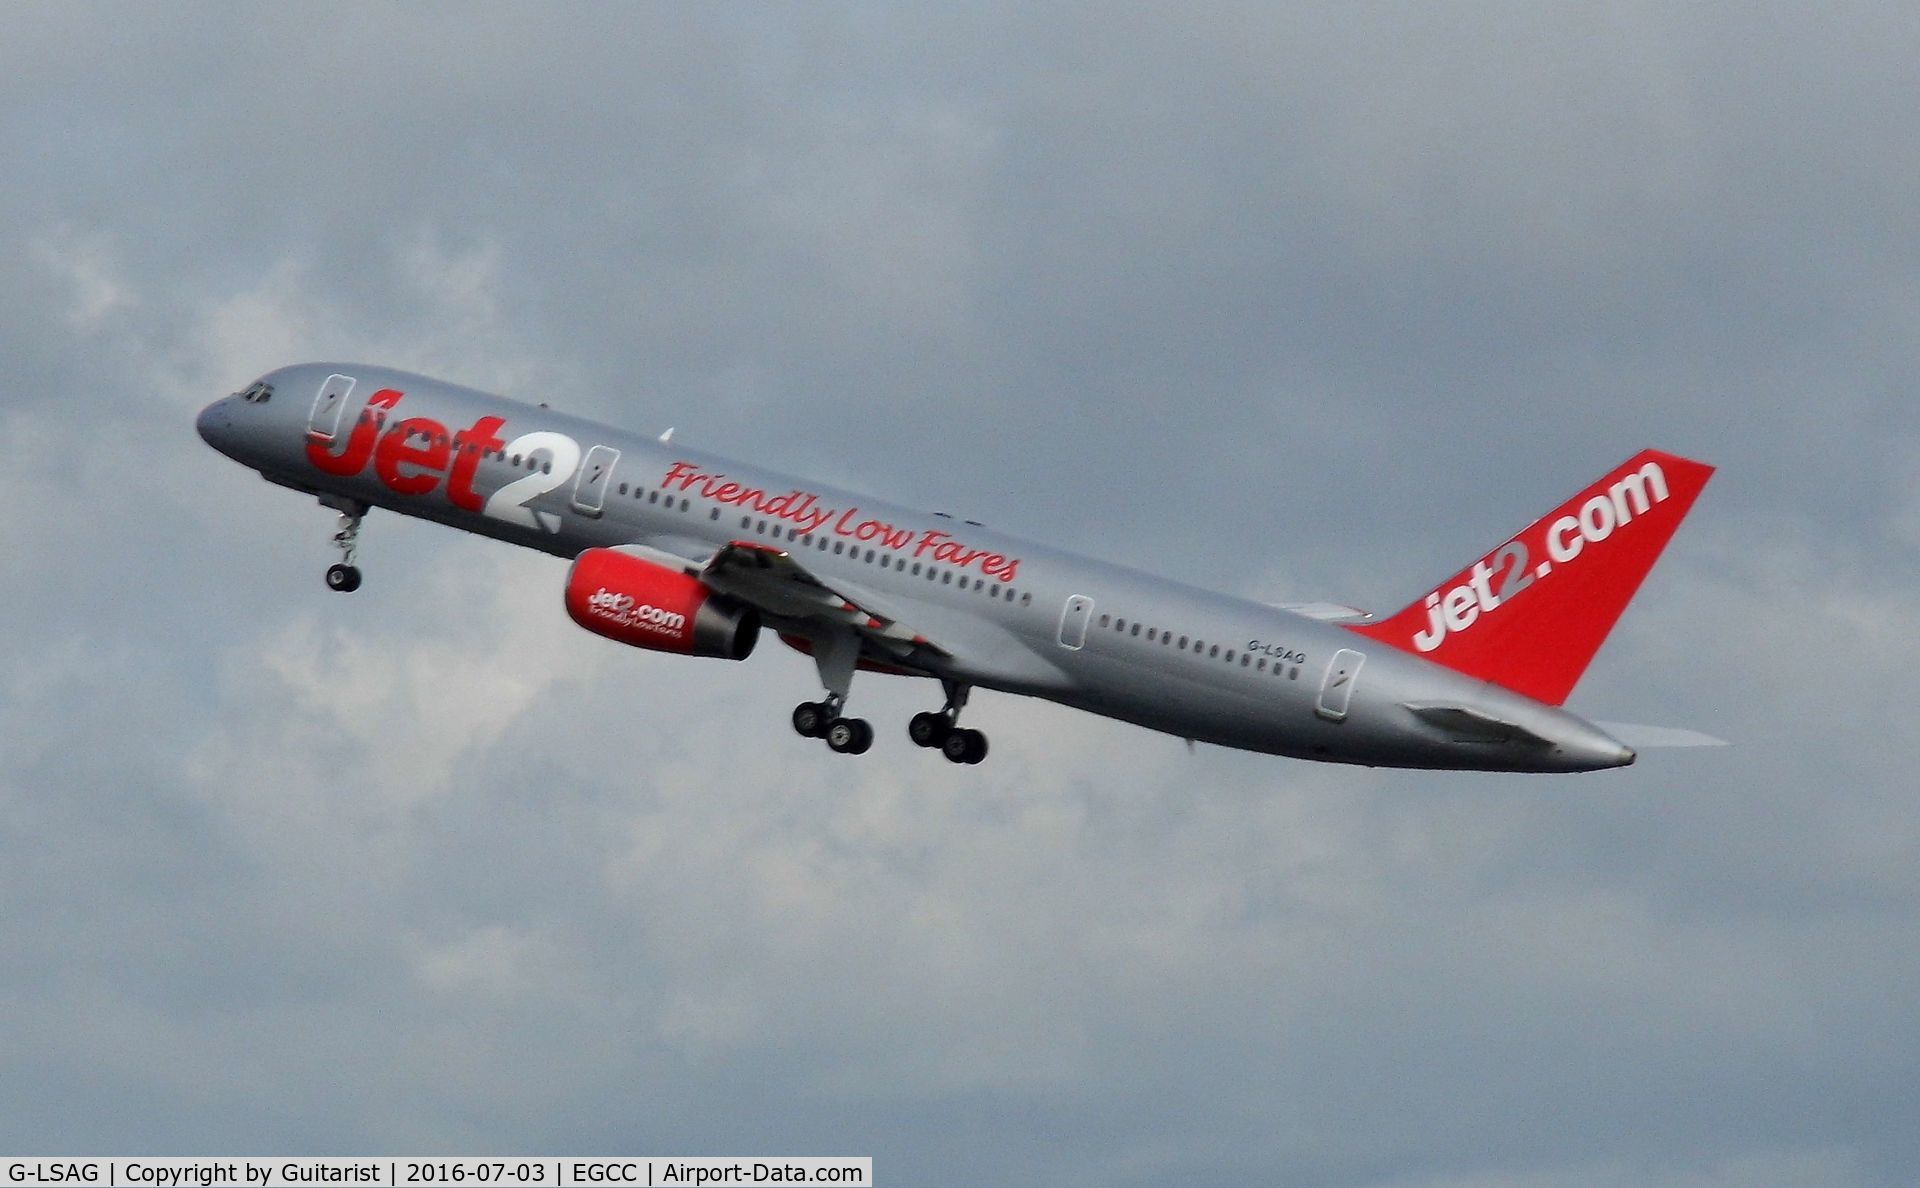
(943, 730)
(836, 653)
(345, 576)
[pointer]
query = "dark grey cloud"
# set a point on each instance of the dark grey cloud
(1297, 302)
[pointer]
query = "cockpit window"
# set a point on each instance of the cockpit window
(258, 392)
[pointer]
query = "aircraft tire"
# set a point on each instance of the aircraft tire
(849, 736)
(965, 746)
(810, 719)
(976, 746)
(928, 730)
(343, 578)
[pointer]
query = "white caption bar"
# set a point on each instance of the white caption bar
(466, 1171)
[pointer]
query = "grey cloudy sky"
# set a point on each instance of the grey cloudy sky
(1301, 302)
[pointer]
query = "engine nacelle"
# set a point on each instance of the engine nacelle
(650, 606)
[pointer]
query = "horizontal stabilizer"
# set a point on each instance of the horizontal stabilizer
(1326, 612)
(1646, 738)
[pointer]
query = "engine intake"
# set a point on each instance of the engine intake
(650, 606)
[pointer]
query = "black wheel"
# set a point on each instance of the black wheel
(344, 578)
(976, 746)
(810, 719)
(849, 736)
(965, 746)
(928, 730)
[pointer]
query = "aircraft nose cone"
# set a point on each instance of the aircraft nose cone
(215, 425)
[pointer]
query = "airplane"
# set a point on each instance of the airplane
(679, 551)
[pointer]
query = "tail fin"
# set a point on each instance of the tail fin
(1531, 614)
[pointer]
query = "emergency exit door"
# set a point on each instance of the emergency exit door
(328, 407)
(1073, 622)
(1336, 688)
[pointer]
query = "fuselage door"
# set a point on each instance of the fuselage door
(328, 407)
(590, 489)
(1073, 622)
(1336, 688)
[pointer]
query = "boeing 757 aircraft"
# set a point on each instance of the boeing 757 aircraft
(676, 550)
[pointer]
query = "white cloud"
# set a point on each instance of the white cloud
(1241, 291)
(87, 265)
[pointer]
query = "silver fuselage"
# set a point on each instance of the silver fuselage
(1007, 614)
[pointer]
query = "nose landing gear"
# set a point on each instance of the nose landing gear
(345, 576)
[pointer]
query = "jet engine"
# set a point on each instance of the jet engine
(649, 606)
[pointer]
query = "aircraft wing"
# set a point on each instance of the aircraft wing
(771, 579)
(892, 628)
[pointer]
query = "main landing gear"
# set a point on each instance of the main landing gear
(345, 576)
(837, 654)
(853, 736)
(943, 730)
(821, 719)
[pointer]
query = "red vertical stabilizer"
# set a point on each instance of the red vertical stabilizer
(1530, 615)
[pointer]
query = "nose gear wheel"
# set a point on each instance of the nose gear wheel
(344, 577)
